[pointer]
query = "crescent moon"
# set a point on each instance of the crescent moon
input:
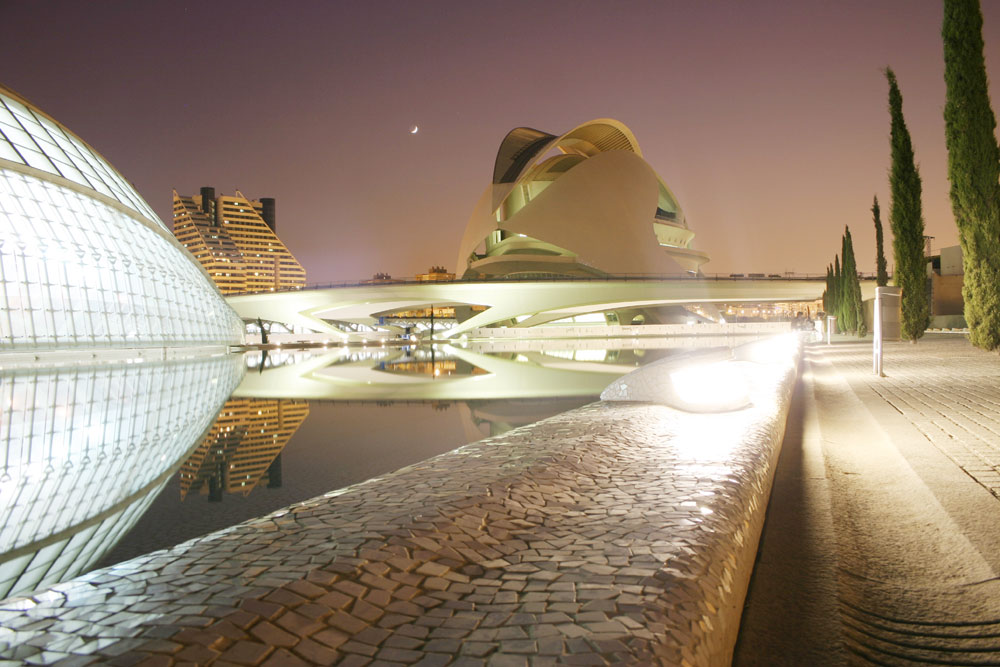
(414, 129)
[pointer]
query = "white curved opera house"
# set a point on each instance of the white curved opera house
(84, 261)
(584, 203)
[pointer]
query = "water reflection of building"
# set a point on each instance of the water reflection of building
(234, 239)
(431, 367)
(243, 448)
(86, 450)
(485, 371)
(484, 419)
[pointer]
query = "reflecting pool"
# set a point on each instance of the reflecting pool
(105, 461)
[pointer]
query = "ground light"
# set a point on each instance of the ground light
(713, 381)
(776, 349)
(720, 386)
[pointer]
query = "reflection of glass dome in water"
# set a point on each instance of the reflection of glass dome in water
(84, 261)
(86, 450)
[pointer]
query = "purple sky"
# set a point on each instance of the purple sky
(767, 119)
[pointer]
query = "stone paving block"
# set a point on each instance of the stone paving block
(434, 660)
(359, 648)
(349, 588)
(284, 658)
(347, 623)
(305, 589)
(272, 635)
(399, 655)
(246, 653)
(412, 630)
(330, 638)
(334, 600)
(259, 608)
(502, 660)
(197, 654)
(402, 641)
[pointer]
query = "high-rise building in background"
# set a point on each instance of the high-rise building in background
(234, 239)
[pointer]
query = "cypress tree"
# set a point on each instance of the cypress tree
(973, 168)
(907, 221)
(848, 309)
(828, 292)
(854, 300)
(836, 292)
(881, 275)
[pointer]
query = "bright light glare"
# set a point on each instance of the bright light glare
(772, 350)
(713, 387)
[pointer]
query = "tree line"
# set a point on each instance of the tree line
(974, 175)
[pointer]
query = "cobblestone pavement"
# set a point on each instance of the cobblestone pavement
(613, 533)
(949, 390)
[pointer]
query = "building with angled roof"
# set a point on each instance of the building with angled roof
(234, 238)
(584, 203)
(84, 261)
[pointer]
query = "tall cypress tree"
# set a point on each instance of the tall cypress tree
(828, 292)
(848, 308)
(837, 304)
(907, 221)
(853, 286)
(881, 275)
(973, 168)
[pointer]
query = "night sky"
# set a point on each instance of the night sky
(768, 119)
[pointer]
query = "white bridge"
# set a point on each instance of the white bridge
(528, 303)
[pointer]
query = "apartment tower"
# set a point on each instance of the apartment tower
(234, 239)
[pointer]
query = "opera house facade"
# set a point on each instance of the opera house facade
(584, 203)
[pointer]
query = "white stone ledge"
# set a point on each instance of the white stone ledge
(626, 530)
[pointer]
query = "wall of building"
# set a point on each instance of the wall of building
(946, 293)
(951, 261)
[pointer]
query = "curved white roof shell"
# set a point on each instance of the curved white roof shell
(585, 202)
(84, 261)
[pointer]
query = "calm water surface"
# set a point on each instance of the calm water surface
(111, 461)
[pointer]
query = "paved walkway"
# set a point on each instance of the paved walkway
(882, 543)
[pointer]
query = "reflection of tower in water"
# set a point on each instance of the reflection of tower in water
(243, 447)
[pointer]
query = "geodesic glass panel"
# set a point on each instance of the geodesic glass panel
(76, 271)
(29, 137)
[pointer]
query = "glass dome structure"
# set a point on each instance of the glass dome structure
(84, 260)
